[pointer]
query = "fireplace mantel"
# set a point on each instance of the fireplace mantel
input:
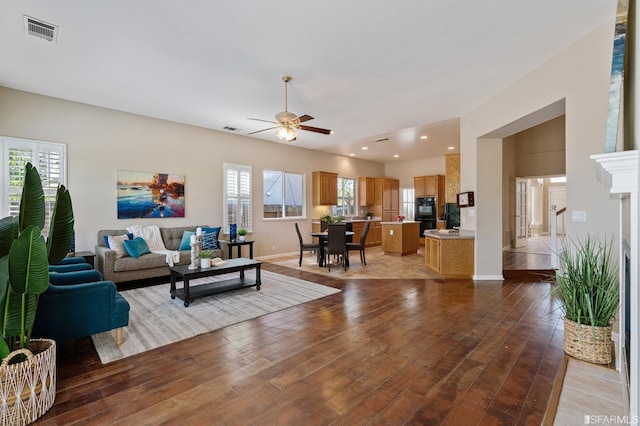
(618, 171)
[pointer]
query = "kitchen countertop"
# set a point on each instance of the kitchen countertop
(462, 235)
(397, 222)
(374, 219)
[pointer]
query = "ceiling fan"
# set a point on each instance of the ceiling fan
(287, 122)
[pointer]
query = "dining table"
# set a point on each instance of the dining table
(323, 237)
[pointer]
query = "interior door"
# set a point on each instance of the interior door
(521, 213)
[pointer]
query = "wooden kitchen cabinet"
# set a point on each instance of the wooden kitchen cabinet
(374, 235)
(449, 256)
(400, 238)
(325, 189)
(431, 186)
(366, 191)
(387, 199)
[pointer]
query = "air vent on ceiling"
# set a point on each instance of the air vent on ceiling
(230, 129)
(40, 29)
(381, 140)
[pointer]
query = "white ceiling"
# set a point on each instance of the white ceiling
(367, 69)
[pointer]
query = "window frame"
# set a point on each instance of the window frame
(340, 189)
(50, 182)
(248, 198)
(407, 203)
(283, 206)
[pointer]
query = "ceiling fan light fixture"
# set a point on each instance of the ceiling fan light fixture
(287, 132)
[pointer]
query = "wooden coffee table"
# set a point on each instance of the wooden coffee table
(187, 293)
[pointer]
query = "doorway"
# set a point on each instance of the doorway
(532, 247)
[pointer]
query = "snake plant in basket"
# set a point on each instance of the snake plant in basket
(588, 286)
(24, 274)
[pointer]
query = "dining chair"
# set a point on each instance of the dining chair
(305, 247)
(336, 243)
(360, 246)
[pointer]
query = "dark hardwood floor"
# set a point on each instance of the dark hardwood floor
(383, 351)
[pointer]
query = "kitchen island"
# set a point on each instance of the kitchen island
(449, 253)
(400, 238)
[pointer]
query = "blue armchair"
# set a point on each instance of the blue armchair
(78, 304)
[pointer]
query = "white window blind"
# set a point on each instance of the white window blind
(237, 196)
(50, 160)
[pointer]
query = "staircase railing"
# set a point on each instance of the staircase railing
(553, 225)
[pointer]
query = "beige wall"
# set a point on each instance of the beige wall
(101, 141)
(404, 171)
(580, 75)
(540, 150)
(508, 190)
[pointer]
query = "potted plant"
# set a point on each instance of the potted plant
(242, 234)
(588, 287)
(369, 215)
(28, 365)
(205, 258)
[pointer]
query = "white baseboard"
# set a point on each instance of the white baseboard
(487, 278)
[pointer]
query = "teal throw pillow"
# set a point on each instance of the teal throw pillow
(185, 243)
(136, 247)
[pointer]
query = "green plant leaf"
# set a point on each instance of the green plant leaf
(32, 211)
(28, 265)
(8, 233)
(61, 227)
(28, 277)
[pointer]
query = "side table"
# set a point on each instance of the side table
(89, 256)
(239, 244)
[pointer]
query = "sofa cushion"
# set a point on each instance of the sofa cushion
(136, 247)
(146, 261)
(172, 237)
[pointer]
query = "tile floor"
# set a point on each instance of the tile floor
(591, 394)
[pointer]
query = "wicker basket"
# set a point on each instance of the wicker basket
(587, 343)
(28, 388)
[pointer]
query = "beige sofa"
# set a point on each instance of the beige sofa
(149, 265)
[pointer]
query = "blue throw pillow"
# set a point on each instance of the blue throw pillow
(106, 239)
(215, 230)
(136, 247)
(210, 241)
(185, 243)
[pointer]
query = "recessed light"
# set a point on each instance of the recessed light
(364, 148)
(452, 147)
(424, 137)
(352, 155)
(395, 156)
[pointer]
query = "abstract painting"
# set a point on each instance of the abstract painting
(617, 76)
(149, 195)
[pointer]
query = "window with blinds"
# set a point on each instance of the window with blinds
(237, 196)
(50, 160)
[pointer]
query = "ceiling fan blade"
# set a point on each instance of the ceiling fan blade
(304, 118)
(315, 129)
(263, 130)
(265, 121)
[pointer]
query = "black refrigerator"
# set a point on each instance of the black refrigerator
(451, 215)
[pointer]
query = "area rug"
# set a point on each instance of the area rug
(156, 320)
